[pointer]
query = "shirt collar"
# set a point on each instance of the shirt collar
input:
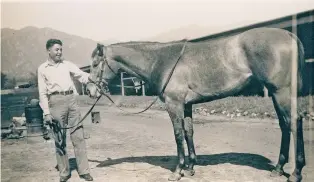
(50, 63)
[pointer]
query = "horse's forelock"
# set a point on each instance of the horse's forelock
(98, 50)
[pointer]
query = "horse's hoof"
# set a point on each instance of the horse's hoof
(275, 173)
(294, 178)
(174, 177)
(189, 172)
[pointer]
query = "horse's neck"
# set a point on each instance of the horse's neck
(133, 61)
(140, 61)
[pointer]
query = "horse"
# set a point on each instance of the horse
(184, 73)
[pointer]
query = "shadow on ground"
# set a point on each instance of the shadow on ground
(169, 162)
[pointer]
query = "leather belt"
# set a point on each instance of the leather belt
(62, 93)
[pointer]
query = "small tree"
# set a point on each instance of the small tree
(10, 83)
(33, 79)
(4, 79)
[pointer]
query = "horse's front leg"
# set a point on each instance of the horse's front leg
(176, 113)
(188, 131)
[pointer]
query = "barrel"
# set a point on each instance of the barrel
(34, 119)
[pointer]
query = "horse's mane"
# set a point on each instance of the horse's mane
(139, 43)
(148, 42)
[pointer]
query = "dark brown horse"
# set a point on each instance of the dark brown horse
(211, 70)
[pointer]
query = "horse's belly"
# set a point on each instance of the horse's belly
(212, 90)
(223, 83)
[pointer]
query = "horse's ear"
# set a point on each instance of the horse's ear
(100, 48)
(100, 45)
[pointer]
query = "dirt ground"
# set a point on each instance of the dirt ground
(141, 148)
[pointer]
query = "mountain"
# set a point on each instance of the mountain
(22, 51)
(186, 32)
(109, 41)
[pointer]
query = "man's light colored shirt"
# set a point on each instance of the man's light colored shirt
(58, 77)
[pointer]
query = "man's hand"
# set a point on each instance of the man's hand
(48, 119)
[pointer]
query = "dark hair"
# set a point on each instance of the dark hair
(52, 42)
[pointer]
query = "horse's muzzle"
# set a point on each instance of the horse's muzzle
(92, 91)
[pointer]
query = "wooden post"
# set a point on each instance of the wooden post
(83, 89)
(294, 82)
(311, 87)
(311, 104)
(143, 88)
(122, 84)
(311, 111)
(265, 91)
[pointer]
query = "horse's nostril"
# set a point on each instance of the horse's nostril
(88, 92)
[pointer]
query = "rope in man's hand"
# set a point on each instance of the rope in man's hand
(54, 129)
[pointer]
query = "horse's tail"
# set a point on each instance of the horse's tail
(301, 63)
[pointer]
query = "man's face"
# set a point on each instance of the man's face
(55, 52)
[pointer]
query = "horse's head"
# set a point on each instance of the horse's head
(102, 70)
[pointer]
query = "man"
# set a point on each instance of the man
(57, 94)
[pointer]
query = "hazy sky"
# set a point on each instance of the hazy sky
(136, 19)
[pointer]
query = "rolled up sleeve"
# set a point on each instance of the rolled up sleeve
(77, 73)
(43, 92)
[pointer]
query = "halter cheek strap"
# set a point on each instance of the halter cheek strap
(103, 62)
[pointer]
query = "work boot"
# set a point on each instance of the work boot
(64, 178)
(87, 177)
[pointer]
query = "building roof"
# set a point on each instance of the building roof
(283, 22)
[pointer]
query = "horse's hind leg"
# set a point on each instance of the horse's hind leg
(188, 131)
(299, 157)
(282, 104)
(297, 131)
(285, 138)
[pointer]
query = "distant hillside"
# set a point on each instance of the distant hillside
(22, 51)
(109, 41)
